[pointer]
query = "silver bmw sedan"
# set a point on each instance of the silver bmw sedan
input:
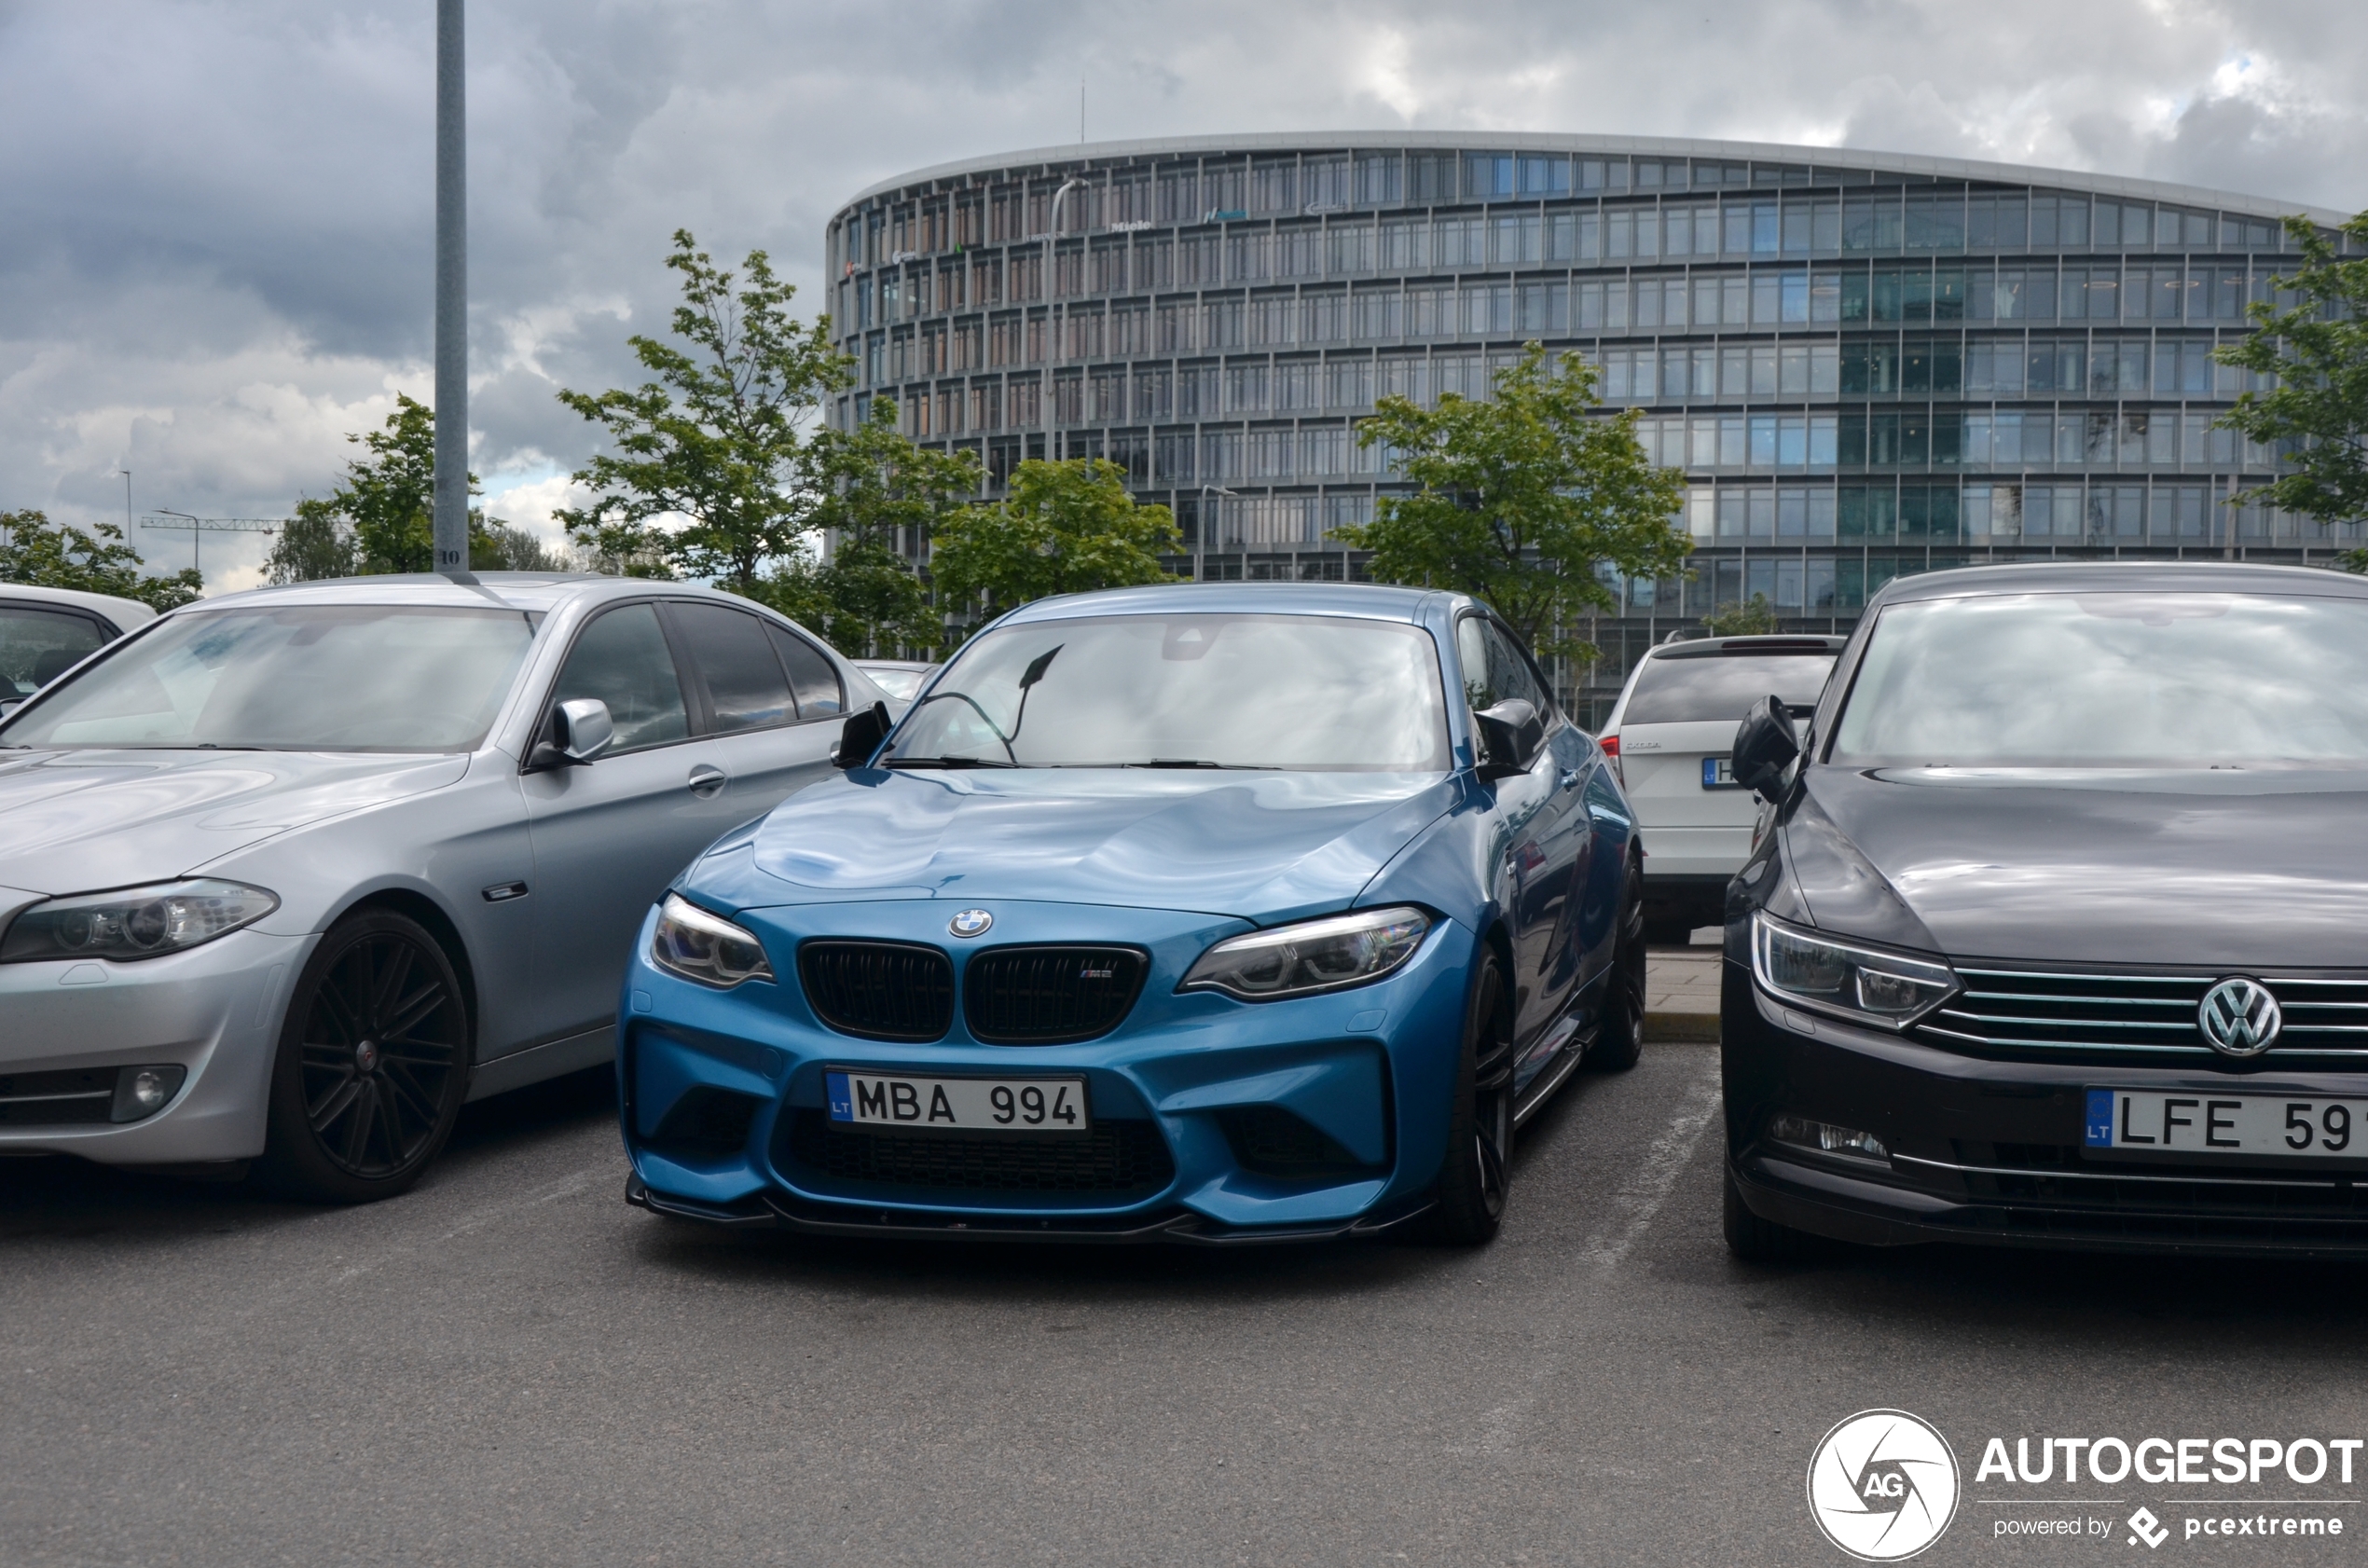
(289, 876)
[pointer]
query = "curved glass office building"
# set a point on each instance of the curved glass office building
(1867, 365)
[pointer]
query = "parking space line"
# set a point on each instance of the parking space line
(1642, 1195)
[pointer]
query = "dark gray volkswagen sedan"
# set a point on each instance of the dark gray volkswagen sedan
(2055, 928)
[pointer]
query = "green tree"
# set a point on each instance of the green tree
(382, 518)
(1066, 528)
(495, 546)
(1749, 619)
(35, 550)
(1520, 499)
(2318, 350)
(718, 438)
(314, 543)
(876, 491)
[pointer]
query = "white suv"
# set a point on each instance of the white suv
(1671, 734)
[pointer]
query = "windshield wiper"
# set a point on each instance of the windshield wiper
(947, 762)
(1202, 762)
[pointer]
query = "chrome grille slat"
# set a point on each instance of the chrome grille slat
(2062, 1011)
(2067, 1022)
(2036, 996)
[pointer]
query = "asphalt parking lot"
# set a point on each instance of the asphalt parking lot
(510, 1366)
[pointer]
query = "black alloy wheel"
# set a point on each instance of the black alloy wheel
(1619, 1038)
(373, 1062)
(1477, 1173)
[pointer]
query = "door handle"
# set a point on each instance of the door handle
(706, 780)
(1568, 778)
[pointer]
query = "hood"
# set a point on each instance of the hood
(1259, 845)
(71, 821)
(2240, 869)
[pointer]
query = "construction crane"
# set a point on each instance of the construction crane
(198, 528)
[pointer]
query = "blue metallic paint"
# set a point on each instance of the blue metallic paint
(1171, 863)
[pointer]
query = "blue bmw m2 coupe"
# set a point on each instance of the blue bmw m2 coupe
(1206, 914)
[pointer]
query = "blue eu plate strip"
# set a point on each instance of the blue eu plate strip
(841, 1100)
(2101, 1118)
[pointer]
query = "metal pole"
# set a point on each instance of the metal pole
(451, 298)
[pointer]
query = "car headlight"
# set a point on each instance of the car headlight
(1312, 955)
(1839, 977)
(134, 922)
(707, 948)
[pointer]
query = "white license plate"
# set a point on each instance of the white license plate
(958, 1105)
(1718, 773)
(2232, 1126)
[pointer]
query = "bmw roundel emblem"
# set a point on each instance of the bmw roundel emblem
(2239, 1017)
(971, 923)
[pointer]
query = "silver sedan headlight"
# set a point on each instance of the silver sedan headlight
(1311, 955)
(707, 948)
(134, 922)
(1864, 984)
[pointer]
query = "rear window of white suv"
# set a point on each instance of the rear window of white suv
(1693, 688)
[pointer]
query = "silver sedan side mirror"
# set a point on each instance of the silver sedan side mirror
(579, 731)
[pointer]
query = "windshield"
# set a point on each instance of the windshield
(900, 684)
(316, 678)
(1686, 690)
(2111, 679)
(1302, 691)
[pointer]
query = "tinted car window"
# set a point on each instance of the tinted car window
(1495, 668)
(744, 681)
(815, 678)
(1723, 686)
(314, 677)
(622, 659)
(37, 645)
(2111, 679)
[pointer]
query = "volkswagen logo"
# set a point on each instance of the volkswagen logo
(2239, 1017)
(974, 921)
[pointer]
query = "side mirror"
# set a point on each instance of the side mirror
(1765, 746)
(860, 736)
(1509, 734)
(579, 731)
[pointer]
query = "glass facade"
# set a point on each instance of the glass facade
(1866, 366)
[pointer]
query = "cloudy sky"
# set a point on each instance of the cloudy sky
(216, 216)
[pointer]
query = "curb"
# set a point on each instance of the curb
(1697, 1028)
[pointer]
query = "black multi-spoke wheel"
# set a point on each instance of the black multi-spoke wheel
(1477, 1173)
(1619, 1040)
(373, 1063)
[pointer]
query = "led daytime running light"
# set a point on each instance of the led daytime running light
(707, 948)
(1859, 984)
(133, 923)
(1311, 957)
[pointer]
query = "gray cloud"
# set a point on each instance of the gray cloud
(215, 217)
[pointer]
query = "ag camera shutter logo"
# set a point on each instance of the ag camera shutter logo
(1882, 1485)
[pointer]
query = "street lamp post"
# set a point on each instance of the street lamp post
(1206, 490)
(451, 298)
(1051, 326)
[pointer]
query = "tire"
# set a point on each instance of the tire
(1476, 1171)
(373, 1063)
(1754, 1240)
(1619, 1040)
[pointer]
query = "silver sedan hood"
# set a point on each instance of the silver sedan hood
(75, 821)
